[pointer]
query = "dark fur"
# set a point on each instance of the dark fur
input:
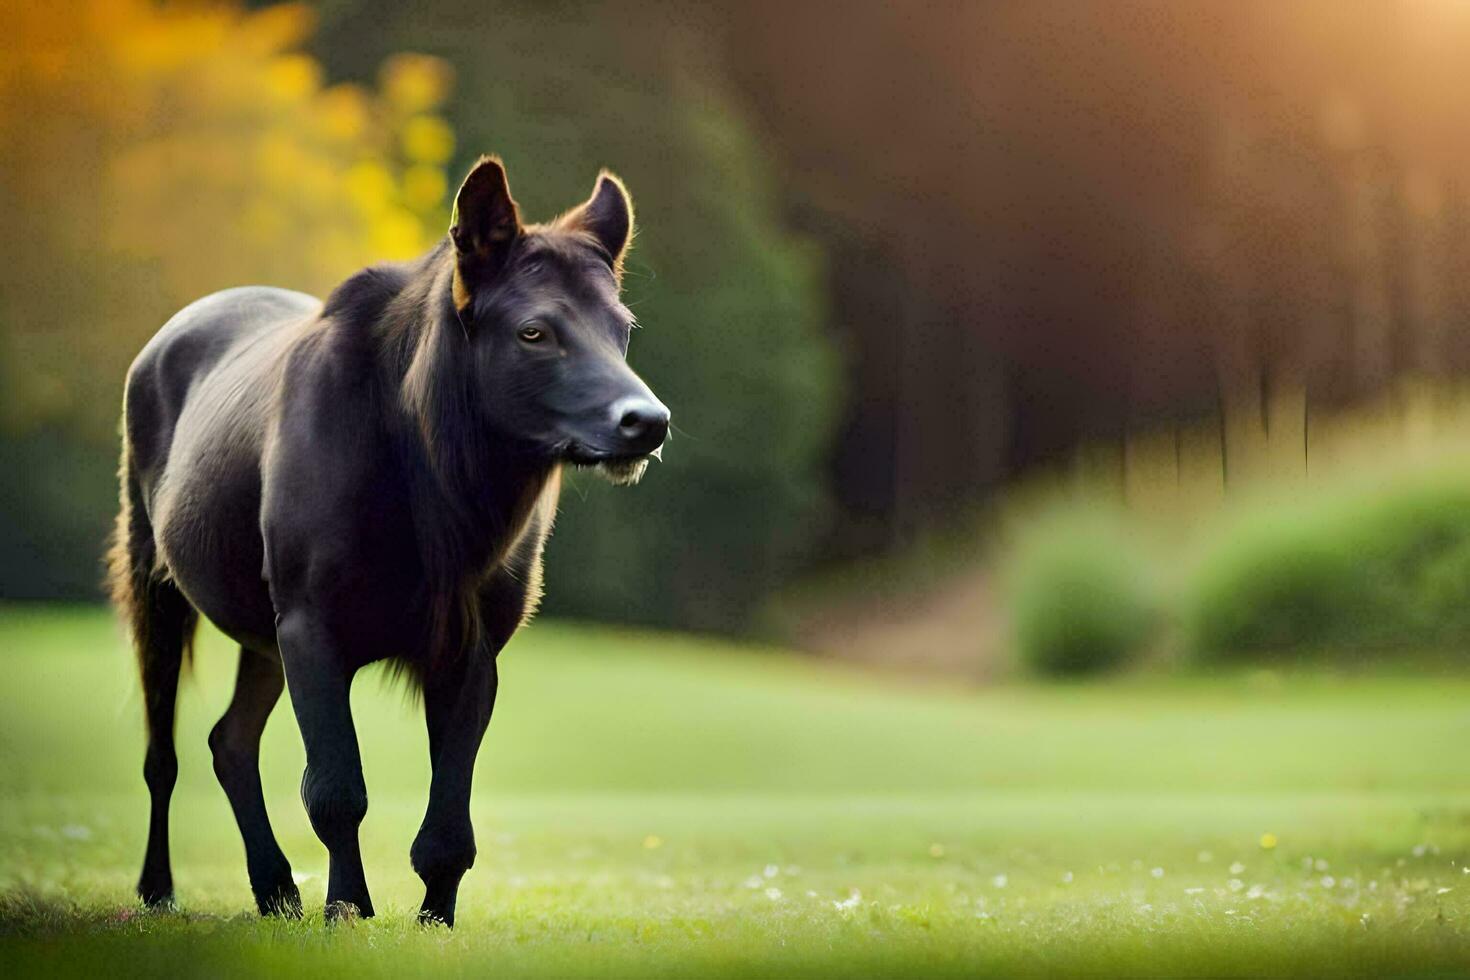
(369, 479)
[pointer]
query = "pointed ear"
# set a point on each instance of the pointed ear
(485, 223)
(608, 217)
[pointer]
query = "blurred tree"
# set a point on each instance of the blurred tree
(151, 154)
(1063, 222)
(730, 300)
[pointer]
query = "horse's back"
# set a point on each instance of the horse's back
(194, 342)
(198, 404)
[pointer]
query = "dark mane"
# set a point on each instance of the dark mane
(363, 295)
(469, 490)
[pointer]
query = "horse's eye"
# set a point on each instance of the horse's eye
(532, 334)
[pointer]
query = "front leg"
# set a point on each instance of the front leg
(458, 700)
(320, 681)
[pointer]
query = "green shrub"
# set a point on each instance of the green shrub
(1080, 597)
(1375, 569)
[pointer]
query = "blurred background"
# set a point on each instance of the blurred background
(1004, 336)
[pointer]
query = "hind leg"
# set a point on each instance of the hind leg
(235, 743)
(162, 624)
(170, 622)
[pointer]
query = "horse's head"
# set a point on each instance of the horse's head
(547, 331)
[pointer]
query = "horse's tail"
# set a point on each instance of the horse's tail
(159, 618)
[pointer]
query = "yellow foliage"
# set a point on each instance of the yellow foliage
(150, 154)
(276, 28)
(428, 139)
(423, 186)
(343, 113)
(415, 83)
(294, 77)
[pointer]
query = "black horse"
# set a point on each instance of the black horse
(371, 478)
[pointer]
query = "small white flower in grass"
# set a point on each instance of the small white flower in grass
(852, 901)
(1328, 881)
(1255, 891)
(1229, 911)
(1235, 884)
(773, 893)
(1237, 868)
(75, 831)
(1320, 864)
(1419, 849)
(810, 893)
(1000, 881)
(1444, 891)
(1157, 872)
(1193, 891)
(1066, 877)
(1145, 907)
(301, 877)
(771, 871)
(754, 881)
(1204, 857)
(983, 916)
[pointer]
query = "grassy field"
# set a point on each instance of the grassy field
(657, 805)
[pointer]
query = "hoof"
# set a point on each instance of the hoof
(340, 912)
(440, 897)
(157, 894)
(283, 900)
(428, 918)
(348, 912)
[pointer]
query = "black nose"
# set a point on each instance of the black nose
(642, 424)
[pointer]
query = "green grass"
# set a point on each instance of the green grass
(659, 805)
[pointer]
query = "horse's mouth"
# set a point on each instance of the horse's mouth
(623, 472)
(620, 471)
